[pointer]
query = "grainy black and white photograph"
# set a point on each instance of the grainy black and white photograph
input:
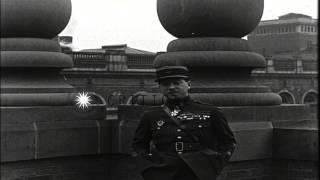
(159, 90)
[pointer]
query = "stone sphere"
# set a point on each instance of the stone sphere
(34, 18)
(209, 18)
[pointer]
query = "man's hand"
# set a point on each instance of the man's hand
(153, 157)
(134, 154)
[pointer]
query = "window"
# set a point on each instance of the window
(287, 98)
(310, 98)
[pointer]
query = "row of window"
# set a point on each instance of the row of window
(284, 29)
(309, 98)
(308, 29)
(290, 66)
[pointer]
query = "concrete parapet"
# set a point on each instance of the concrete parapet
(267, 136)
(267, 146)
(296, 140)
(47, 139)
(254, 140)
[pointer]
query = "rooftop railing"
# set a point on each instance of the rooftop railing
(121, 62)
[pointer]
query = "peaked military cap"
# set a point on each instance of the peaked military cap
(166, 72)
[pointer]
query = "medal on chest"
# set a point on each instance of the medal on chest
(175, 112)
(192, 116)
(160, 123)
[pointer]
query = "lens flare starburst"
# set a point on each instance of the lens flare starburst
(83, 100)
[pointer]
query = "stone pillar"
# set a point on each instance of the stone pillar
(209, 43)
(220, 62)
(299, 65)
(39, 119)
(270, 65)
(31, 58)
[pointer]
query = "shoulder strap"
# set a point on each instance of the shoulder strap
(178, 122)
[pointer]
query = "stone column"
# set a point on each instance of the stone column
(39, 118)
(209, 43)
(31, 59)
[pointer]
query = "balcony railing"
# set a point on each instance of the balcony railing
(113, 61)
(117, 61)
(101, 61)
(89, 60)
(140, 61)
(288, 66)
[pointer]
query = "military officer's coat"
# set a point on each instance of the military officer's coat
(197, 151)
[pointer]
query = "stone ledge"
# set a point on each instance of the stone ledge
(296, 144)
(50, 113)
(254, 140)
(17, 142)
(68, 138)
(38, 140)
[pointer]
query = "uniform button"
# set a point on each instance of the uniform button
(179, 137)
(199, 126)
(179, 152)
(178, 130)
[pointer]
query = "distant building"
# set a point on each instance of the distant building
(290, 47)
(113, 58)
(290, 33)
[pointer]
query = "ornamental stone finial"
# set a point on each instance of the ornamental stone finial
(209, 43)
(34, 18)
(209, 18)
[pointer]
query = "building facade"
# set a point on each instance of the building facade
(290, 33)
(289, 44)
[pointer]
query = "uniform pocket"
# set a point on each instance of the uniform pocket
(197, 125)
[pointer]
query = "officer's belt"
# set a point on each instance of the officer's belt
(180, 147)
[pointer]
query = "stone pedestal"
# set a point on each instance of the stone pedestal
(210, 45)
(39, 118)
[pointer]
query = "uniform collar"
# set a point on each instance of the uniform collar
(180, 104)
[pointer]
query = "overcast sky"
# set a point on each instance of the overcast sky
(135, 22)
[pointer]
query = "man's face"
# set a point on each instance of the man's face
(174, 88)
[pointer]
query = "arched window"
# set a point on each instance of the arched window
(310, 98)
(287, 98)
(116, 98)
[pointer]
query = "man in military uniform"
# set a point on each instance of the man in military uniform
(183, 139)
